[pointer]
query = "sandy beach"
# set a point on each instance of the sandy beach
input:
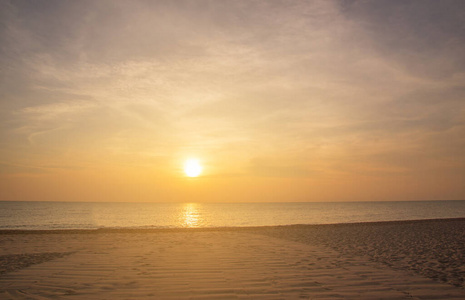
(385, 260)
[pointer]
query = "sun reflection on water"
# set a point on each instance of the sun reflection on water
(191, 215)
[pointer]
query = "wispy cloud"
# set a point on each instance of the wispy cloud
(307, 89)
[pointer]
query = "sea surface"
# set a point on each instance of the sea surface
(83, 215)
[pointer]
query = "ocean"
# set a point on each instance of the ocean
(83, 215)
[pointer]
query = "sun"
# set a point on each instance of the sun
(192, 167)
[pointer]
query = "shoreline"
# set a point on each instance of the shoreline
(226, 228)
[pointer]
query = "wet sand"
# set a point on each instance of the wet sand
(388, 260)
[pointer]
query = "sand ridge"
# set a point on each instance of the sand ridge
(13, 262)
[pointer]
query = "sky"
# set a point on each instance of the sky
(278, 100)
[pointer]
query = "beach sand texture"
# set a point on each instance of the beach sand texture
(359, 261)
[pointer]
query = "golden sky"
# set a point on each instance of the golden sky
(278, 100)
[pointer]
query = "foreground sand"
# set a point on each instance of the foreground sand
(432, 248)
(309, 262)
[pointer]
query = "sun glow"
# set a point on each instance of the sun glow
(192, 168)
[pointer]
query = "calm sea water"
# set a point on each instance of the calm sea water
(66, 215)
